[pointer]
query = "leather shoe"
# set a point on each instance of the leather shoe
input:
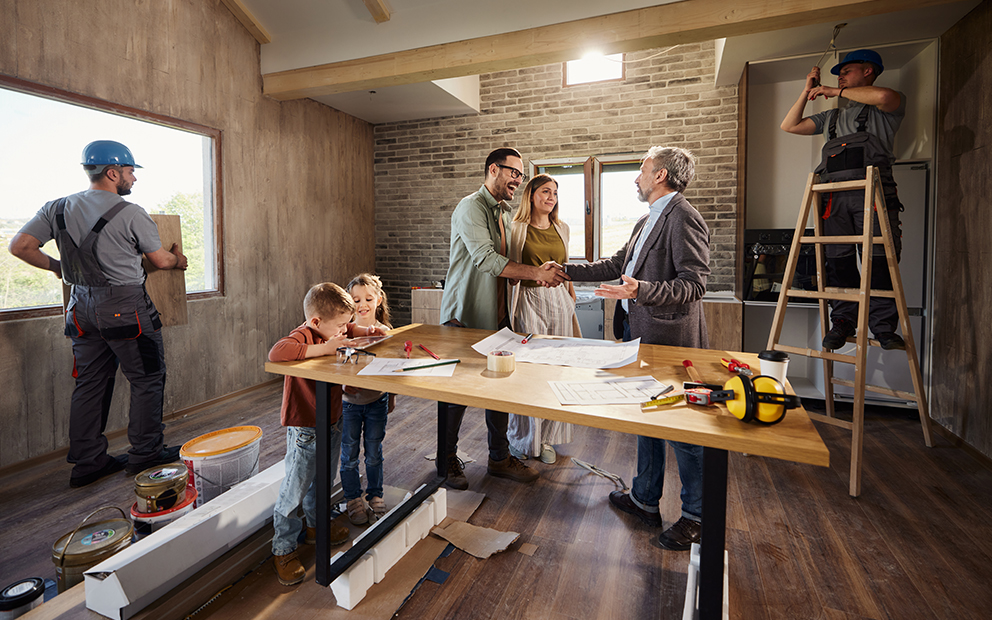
(890, 341)
(837, 336)
(512, 469)
(681, 535)
(624, 503)
(114, 465)
(166, 456)
(456, 474)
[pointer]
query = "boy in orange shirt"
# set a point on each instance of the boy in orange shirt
(329, 311)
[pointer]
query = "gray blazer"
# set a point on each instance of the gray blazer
(671, 271)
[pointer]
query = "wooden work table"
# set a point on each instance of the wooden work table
(526, 391)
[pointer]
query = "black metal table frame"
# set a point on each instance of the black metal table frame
(329, 397)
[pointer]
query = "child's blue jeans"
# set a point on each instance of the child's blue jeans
(298, 486)
(368, 420)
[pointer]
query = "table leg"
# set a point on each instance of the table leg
(713, 535)
(328, 400)
(442, 440)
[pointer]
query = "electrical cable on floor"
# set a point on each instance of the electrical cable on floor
(603, 473)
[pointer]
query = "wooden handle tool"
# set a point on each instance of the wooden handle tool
(691, 370)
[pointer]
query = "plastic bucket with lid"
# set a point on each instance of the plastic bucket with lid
(21, 597)
(88, 545)
(146, 523)
(219, 460)
(161, 488)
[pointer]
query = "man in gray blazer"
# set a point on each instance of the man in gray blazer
(663, 270)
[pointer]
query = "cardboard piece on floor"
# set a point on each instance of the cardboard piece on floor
(130, 580)
(528, 549)
(481, 542)
(167, 289)
(463, 504)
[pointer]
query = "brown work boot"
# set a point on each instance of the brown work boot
(512, 469)
(456, 474)
(288, 569)
(339, 535)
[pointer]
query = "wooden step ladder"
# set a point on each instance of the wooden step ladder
(872, 188)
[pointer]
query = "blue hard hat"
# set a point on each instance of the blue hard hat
(860, 56)
(108, 153)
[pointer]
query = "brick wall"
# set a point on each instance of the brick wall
(422, 169)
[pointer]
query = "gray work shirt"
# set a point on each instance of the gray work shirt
(883, 125)
(120, 244)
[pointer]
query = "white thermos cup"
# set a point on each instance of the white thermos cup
(774, 364)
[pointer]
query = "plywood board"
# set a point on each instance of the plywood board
(167, 288)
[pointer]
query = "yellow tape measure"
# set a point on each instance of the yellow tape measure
(658, 402)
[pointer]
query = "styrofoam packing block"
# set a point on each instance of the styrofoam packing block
(440, 502)
(352, 585)
(388, 551)
(419, 524)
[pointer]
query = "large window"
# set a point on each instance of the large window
(597, 198)
(44, 132)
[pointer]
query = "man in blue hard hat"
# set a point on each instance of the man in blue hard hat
(858, 135)
(110, 318)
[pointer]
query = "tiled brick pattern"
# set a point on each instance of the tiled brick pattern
(422, 169)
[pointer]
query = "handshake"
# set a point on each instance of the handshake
(551, 274)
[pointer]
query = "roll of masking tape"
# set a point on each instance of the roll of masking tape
(501, 361)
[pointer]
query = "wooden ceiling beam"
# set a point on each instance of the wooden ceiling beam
(689, 21)
(378, 9)
(248, 21)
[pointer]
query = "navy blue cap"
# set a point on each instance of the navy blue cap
(860, 56)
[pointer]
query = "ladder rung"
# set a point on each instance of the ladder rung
(840, 186)
(877, 389)
(824, 355)
(843, 294)
(811, 239)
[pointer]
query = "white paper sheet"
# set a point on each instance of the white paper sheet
(626, 391)
(574, 352)
(387, 366)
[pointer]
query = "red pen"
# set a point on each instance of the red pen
(408, 346)
(429, 352)
(526, 338)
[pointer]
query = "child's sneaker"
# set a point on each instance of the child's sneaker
(356, 511)
(378, 506)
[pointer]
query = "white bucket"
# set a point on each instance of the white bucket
(146, 523)
(219, 460)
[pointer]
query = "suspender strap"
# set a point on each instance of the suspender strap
(832, 130)
(60, 213)
(862, 119)
(109, 215)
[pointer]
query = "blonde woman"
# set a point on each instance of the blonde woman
(537, 235)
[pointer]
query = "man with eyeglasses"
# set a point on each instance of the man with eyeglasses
(475, 294)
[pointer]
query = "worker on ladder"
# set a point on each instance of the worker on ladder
(858, 135)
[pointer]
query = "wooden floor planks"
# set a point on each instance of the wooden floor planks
(917, 544)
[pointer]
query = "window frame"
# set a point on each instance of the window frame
(101, 105)
(623, 73)
(593, 171)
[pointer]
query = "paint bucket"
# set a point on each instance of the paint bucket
(161, 488)
(21, 597)
(146, 523)
(88, 545)
(219, 460)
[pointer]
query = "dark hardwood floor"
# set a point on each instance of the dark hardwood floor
(916, 544)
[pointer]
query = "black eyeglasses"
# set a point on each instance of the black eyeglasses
(514, 173)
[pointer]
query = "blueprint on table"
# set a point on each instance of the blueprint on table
(574, 352)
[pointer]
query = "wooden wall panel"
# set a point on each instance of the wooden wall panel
(961, 394)
(297, 185)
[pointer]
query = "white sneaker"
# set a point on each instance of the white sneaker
(548, 454)
(356, 511)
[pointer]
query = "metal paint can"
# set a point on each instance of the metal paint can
(219, 460)
(88, 545)
(161, 488)
(21, 597)
(149, 523)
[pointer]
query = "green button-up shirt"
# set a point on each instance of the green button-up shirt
(474, 264)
